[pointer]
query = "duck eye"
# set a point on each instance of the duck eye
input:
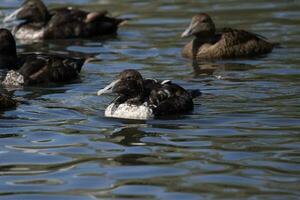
(129, 77)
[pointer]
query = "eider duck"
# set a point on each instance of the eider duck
(35, 68)
(140, 98)
(7, 102)
(228, 43)
(40, 23)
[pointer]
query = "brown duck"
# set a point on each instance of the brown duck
(228, 43)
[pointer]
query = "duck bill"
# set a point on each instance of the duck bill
(12, 16)
(186, 33)
(189, 31)
(109, 88)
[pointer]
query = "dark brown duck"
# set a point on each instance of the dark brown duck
(42, 23)
(226, 44)
(35, 68)
(140, 98)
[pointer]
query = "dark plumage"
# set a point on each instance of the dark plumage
(147, 97)
(35, 68)
(41, 23)
(228, 43)
(7, 102)
(8, 51)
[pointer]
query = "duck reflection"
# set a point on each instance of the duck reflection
(136, 159)
(72, 47)
(130, 136)
(211, 68)
(38, 93)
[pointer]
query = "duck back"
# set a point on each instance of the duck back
(45, 68)
(234, 43)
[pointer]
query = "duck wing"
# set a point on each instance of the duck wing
(65, 23)
(73, 22)
(239, 43)
(48, 68)
(68, 11)
(169, 99)
(237, 36)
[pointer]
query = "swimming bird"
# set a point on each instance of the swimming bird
(210, 44)
(7, 102)
(40, 23)
(140, 98)
(35, 68)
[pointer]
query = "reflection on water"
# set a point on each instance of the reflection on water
(241, 141)
(211, 68)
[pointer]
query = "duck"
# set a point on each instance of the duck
(142, 99)
(228, 43)
(6, 102)
(35, 68)
(38, 22)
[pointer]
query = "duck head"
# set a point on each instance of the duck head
(30, 11)
(129, 83)
(200, 26)
(8, 52)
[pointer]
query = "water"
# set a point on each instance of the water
(241, 142)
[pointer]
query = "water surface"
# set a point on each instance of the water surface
(241, 142)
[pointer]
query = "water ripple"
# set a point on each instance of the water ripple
(240, 142)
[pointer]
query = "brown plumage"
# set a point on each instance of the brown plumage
(35, 68)
(228, 43)
(38, 22)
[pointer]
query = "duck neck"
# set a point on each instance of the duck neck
(201, 39)
(8, 59)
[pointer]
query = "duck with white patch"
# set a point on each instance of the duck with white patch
(35, 68)
(38, 22)
(140, 98)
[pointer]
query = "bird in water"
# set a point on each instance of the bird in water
(38, 22)
(228, 43)
(35, 68)
(140, 98)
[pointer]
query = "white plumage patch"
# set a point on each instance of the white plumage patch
(165, 82)
(128, 111)
(13, 78)
(29, 34)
